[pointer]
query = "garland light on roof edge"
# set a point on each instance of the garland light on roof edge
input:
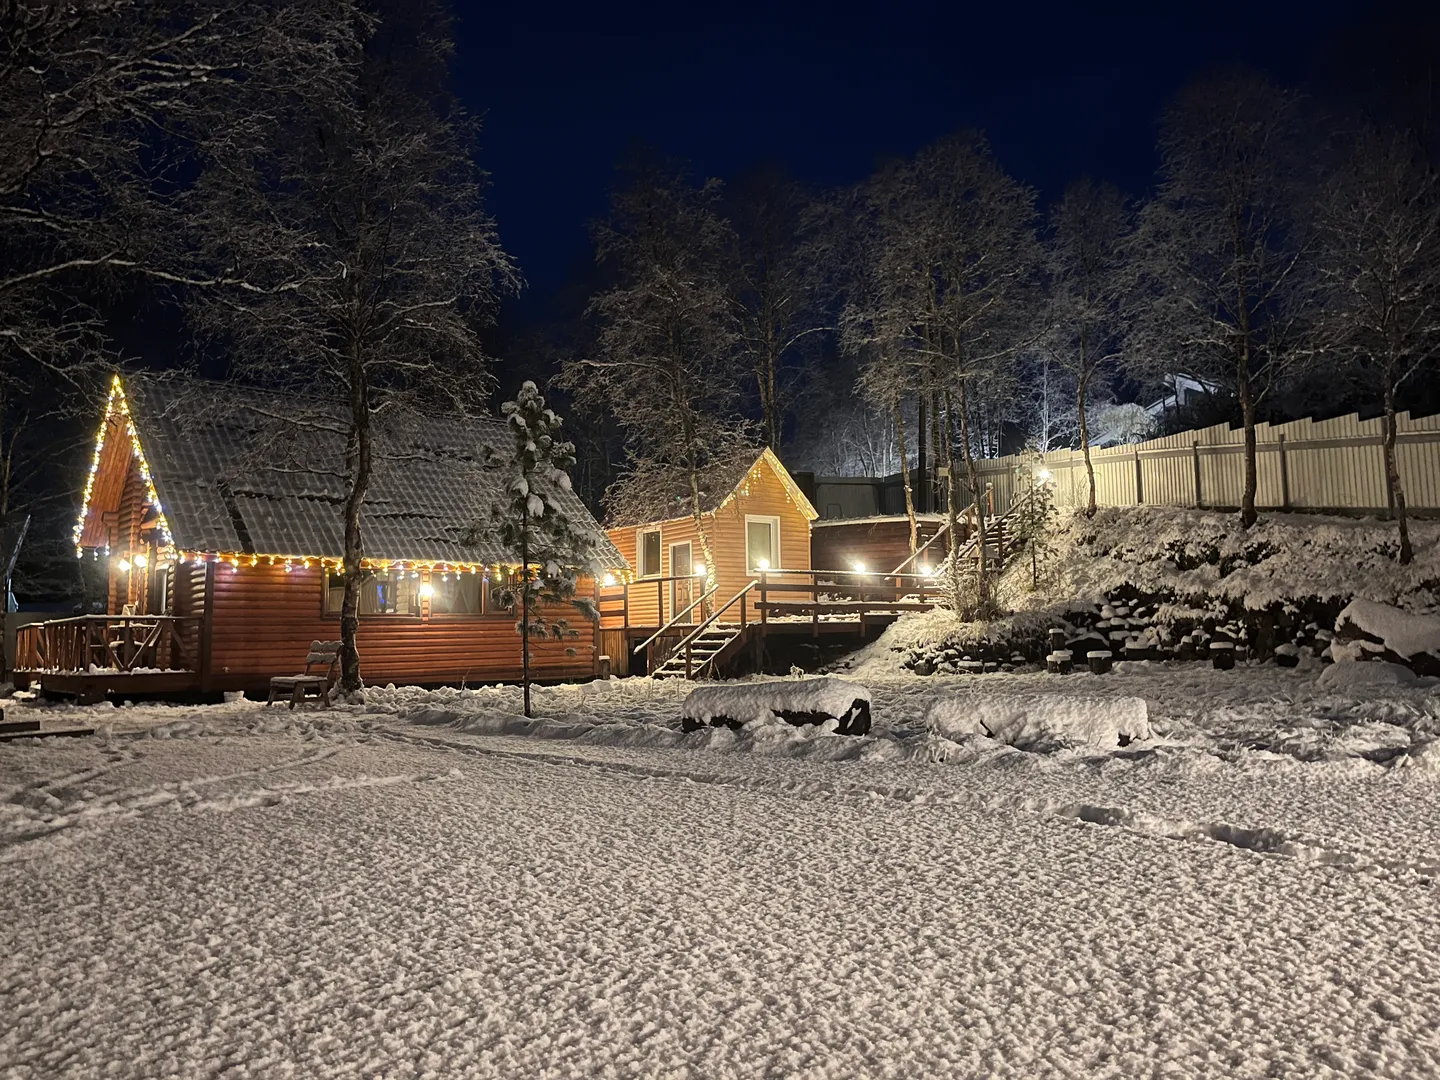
(118, 401)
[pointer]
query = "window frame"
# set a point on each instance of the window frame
(640, 534)
(773, 520)
(486, 603)
(325, 611)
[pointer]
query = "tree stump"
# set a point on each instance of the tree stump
(1222, 655)
(1099, 660)
(1059, 662)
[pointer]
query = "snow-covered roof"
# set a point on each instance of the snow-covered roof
(234, 473)
(719, 485)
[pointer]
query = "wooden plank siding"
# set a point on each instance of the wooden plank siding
(761, 494)
(265, 619)
(881, 544)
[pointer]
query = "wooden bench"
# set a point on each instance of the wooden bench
(324, 656)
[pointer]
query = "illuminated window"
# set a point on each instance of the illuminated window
(649, 553)
(382, 592)
(762, 543)
(457, 594)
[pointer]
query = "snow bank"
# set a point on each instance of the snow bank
(1413, 638)
(1033, 720)
(764, 702)
(1358, 674)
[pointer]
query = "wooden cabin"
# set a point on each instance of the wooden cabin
(761, 522)
(218, 519)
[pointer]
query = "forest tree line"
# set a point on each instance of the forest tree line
(1287, 258)
(295, 183)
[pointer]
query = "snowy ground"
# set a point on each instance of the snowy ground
(404, 891)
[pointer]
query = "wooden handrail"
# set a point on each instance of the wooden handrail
(117, 642)
(676, 618)
(713, 618)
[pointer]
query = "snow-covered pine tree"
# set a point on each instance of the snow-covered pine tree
(554, 549)
(1033, 513)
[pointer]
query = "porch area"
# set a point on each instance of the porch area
(90, 656)
(706, 634)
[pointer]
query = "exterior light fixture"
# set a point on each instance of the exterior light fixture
(859, 567)
(427, 590)
(124, 565)
(141, 561)
(700, 569)
(925, 570)
(608, 579)
(1044, 475)
(762, 564)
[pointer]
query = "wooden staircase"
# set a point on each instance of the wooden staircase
(703, 652)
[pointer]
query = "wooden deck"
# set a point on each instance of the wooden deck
(92, 656)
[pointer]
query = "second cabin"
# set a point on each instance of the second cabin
(673, 613)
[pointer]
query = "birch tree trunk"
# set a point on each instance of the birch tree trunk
(350, 680)
(905, 477)
(1392, 470)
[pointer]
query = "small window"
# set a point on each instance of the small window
(382, 592)
(649, 549)
(456, 594)
(762, 543)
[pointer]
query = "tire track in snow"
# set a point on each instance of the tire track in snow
(30, 823)
(1263, 841)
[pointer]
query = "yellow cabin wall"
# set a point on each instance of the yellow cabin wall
(761, 494)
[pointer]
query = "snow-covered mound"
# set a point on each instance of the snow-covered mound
(1199, 555)
(1034, 720)
(803, 701)
(1397, 635)
(1357, 674)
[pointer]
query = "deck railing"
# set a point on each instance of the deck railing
(621, 605)
(121, 643)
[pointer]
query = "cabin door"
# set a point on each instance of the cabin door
(682, 581)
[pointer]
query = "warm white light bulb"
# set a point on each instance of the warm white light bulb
(763, 564)
(141, 561)
(124, 565)
(700, 569)
(609, 579)
(427, 590)
(859, 567)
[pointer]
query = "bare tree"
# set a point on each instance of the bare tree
(666, 364)
(1085, 257)
(778, 268)
(955, 262)
(101, 104)
(363, 261)
(1379, 230)
(1228, 281)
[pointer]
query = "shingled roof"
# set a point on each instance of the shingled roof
(234, 475)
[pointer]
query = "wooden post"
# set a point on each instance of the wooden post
(207, 629)
(660, 601)
(1199, 503)
(764, 605)
(1139, 480)
(1284, 477)
(814, 604)
(625, 604)
(595, 644)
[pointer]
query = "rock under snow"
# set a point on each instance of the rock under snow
(803, 701)
(1032, 720)
(1413, 640)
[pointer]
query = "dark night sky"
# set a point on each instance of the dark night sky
(828, 90)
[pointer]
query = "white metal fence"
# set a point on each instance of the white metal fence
(1333, 464)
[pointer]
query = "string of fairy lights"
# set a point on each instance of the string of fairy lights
(167, 554)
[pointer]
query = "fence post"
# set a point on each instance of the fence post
(1139, 481)
(1199, 502)
(1284, 477)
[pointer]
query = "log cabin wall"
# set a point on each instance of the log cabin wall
(761, 494)
(264, 620)
(128, 586)
(880, 543)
